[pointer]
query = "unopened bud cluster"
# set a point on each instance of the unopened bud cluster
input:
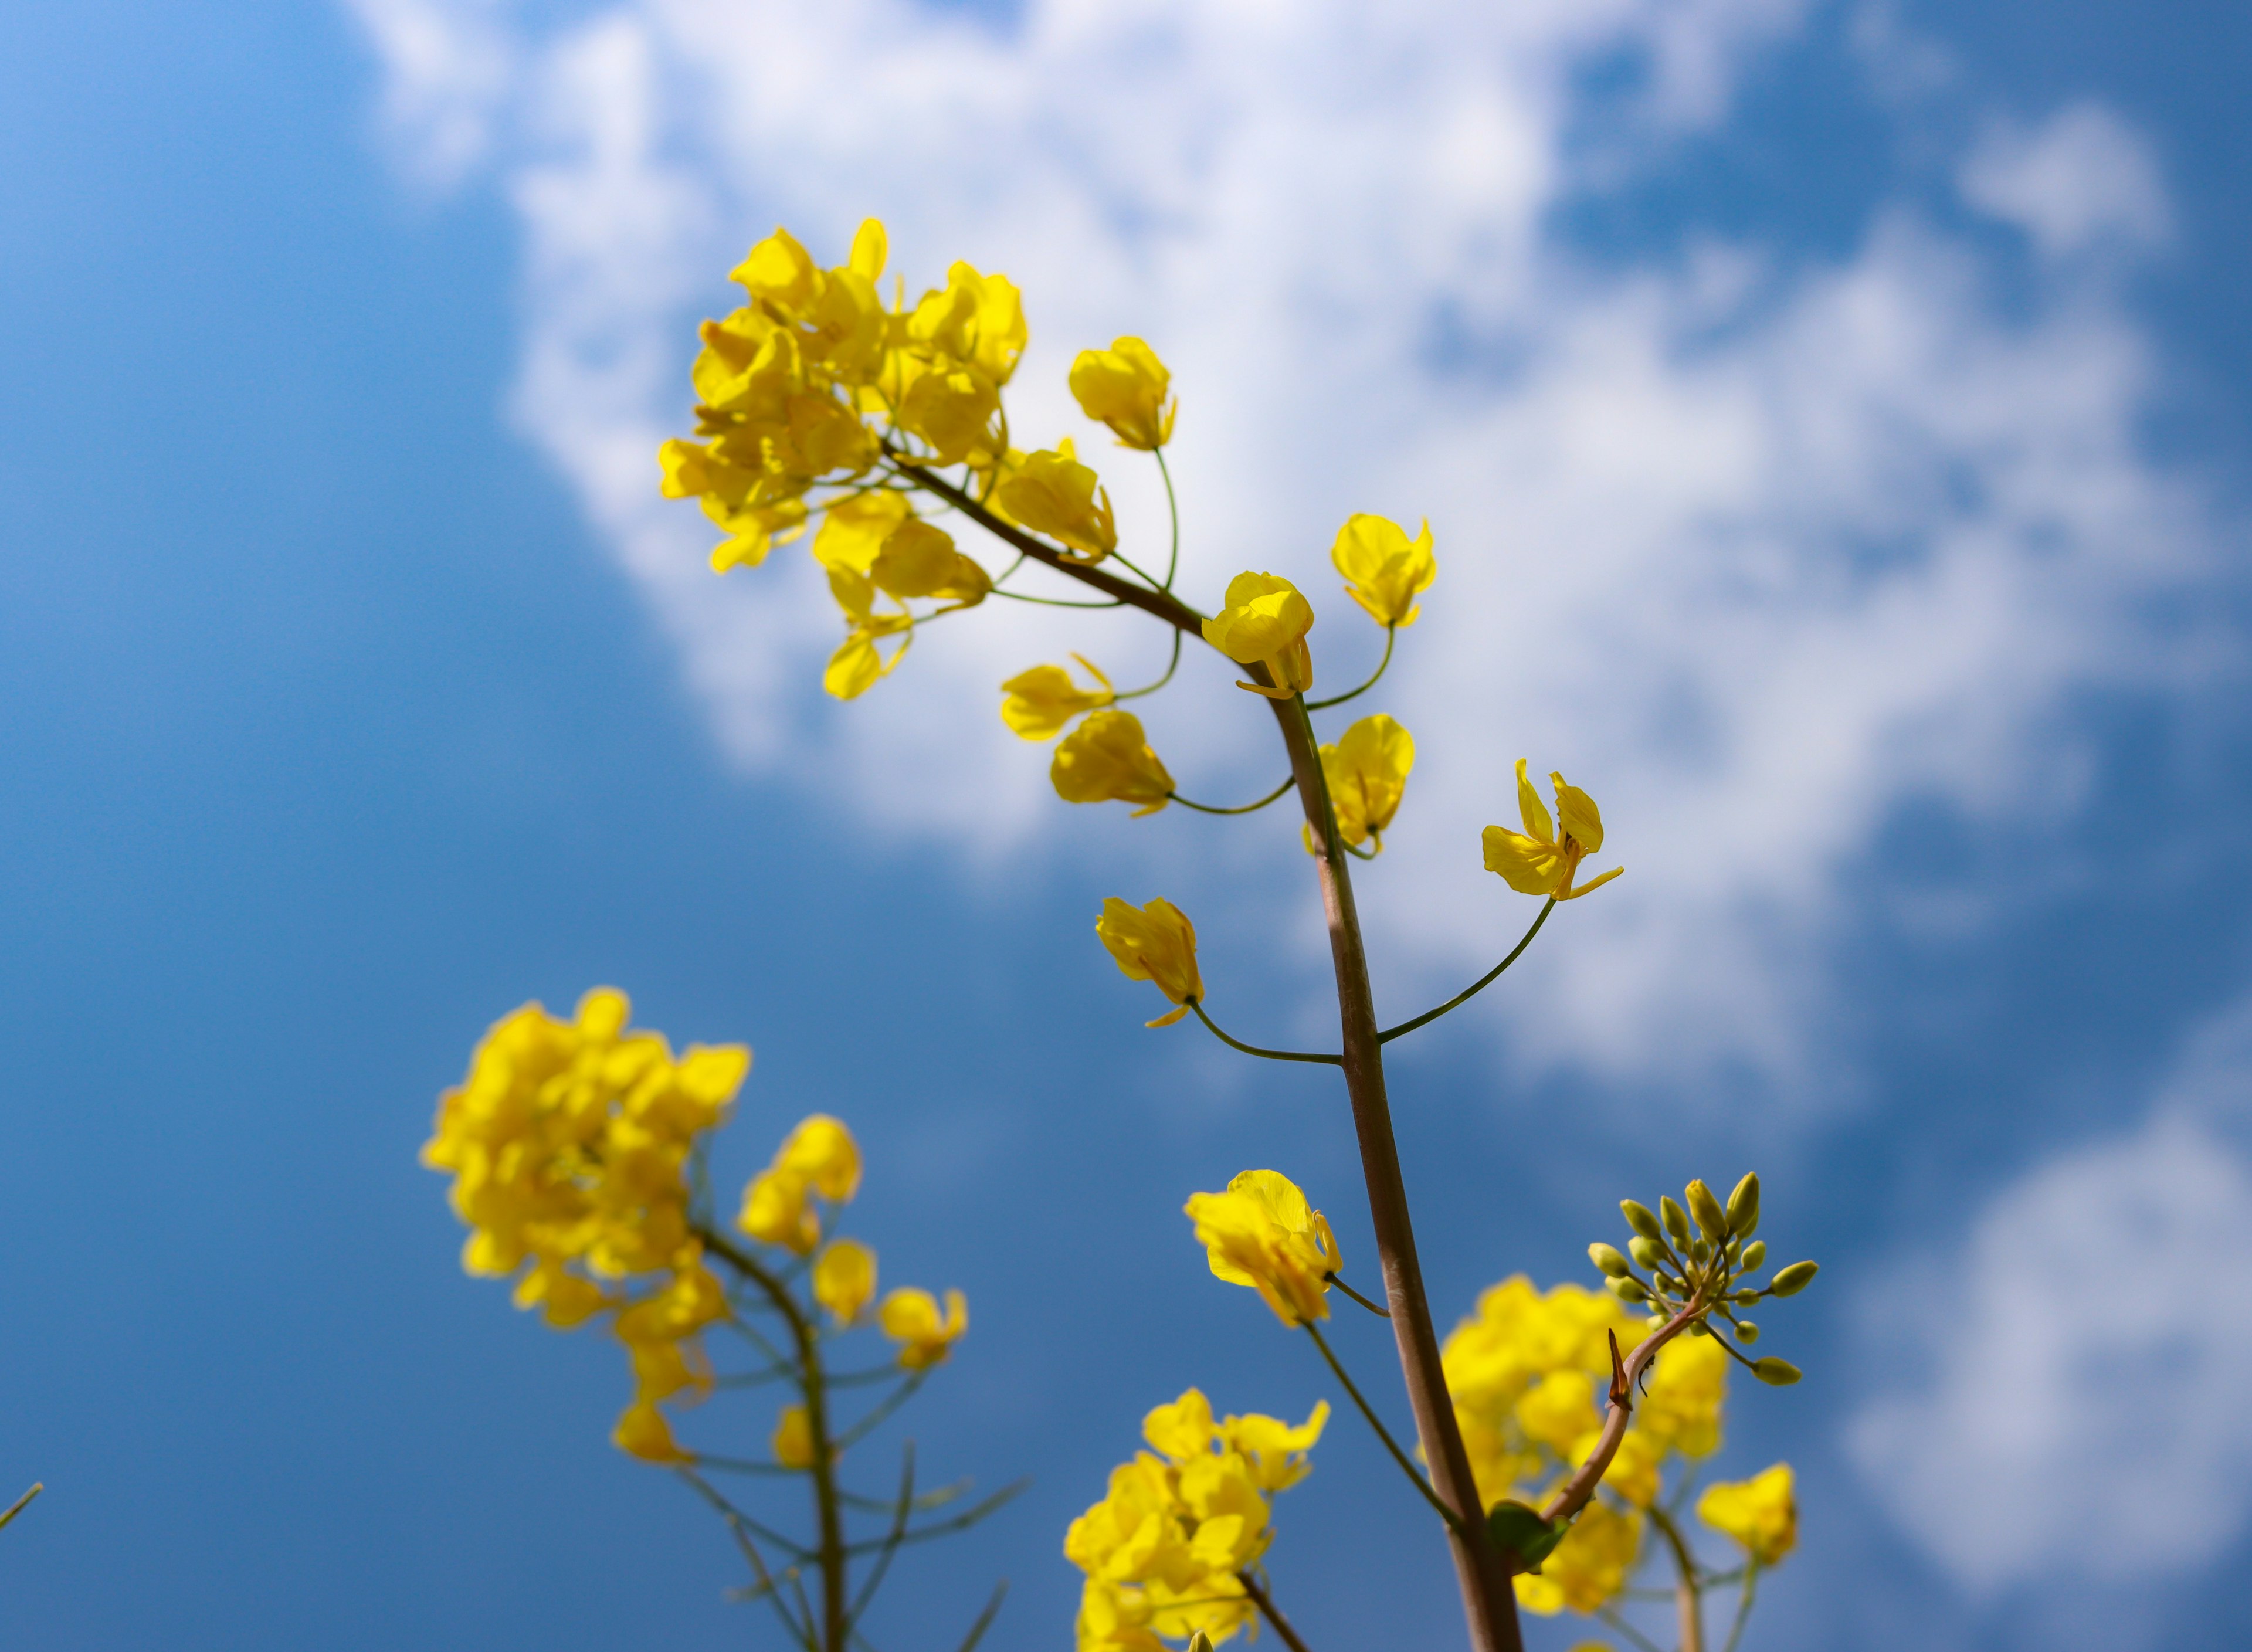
(1698, 1260)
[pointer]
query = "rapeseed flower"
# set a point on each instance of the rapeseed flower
(1155, 943)
(1107, 759)
(1260, 1233)
(1539, 861)
(1040, 703)
(1265, 622)
(1384, 570)
(792, 1441)
(1761, 1513)
(845, 1279)
(819, 1157)
(910, 1317)
(1367, 774)
(1053, 493)
(1124, 388)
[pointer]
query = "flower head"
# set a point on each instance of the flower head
(1107, 759)
(1155, 943)
(1540, 861)
(1124, 388)
(845, 1279)
(1265, 622)
(1384, 570)
(910, 1317)
(1367, 775)
(1761, 1513)
(1260, 1233)
(1053, 493)
(793, 1438)
(1041, 702)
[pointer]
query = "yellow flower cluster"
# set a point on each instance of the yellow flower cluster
(1162, 1549)
(567, 1143)
(1261, 1233)
(1528, 1372)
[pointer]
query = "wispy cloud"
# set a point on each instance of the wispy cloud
(1760, 551)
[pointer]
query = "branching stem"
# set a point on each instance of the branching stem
(1241, 809)
(1476, 987)
(1253, 1049)
(1406, 1463)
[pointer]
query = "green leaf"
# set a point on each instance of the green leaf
(1518, 1531)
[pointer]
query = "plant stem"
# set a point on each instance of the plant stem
(1253, 1049)
(1241, 809)
(1744, 1605)
(1687, 1596)
(1391, 636)
(1265, 1602)
(1476, 987)
(1574, 1495)
(1368, 1412)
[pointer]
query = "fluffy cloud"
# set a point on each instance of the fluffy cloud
(2075, 1352)
(1761, 551)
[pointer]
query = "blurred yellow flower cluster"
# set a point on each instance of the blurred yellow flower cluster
(567, 1144)
(1162, 1549)
(1527, 1372)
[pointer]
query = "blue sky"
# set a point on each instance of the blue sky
(1834, 423)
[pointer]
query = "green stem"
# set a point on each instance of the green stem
(1391, 634)
(1339, 1281)
(1406, 1464)
(1743, 1606)
(1172, 510)
(1476, 987)
(1246, 808)
(1253, 1049)
(1172, 666)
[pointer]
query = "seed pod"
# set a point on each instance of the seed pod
(1793, 1280)
(1639, 1218)
(1746, 1331)
(1627, 1290)
(1609, 1259)
(1707, 1211)
(1755, 1253)
(1743, 1206)
(1777, 1374)
(1676, 1224)
(1648, 1252)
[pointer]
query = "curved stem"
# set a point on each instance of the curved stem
(1476, 987)
(1172, 510)
(1572, 1496)
(1391, 634)
(1743, 1605)
(1253, 1049)
(1339, 1281)
(1172, 666)
(1265, 1602)
(1406, 1464)
(1053, 602)
(1687, 1594)
(1246, 808)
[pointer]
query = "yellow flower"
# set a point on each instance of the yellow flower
(792, 1443)
(1385, 571)
(1107, 759)
(854, 528)
(1761, 1513)
(775, 1213)
(1275, 1451)
(1589, 1568)
(845, 1279)
(1039, 702)
(818, 1156)
(752, 529)
(1536, 861)
(1260, 1233)
(780, 270)
(1688, 1384)
(919, 560)
(822, 1149)
(1156, 943)
(1053, 493)
(952, 409)
(642, 1431)
(976, 319)
(1367, 775)
(1124, 388)
(1265, 620)
(910, 1317)
(1182, 1430)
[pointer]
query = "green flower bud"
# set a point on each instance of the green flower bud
(1648, 1252)
(1199, 1642)
(1746, 1331)
(1676, 1224)
(1793, 1280)
(1777, 1374)
(1755, 1253)
(1607, 1259)
(1743, 1206)
(1745, 1299)
(1639, 1218)
(1707, 1211)
(1698, 1328)
(1699, 1250)
(1627, 1290)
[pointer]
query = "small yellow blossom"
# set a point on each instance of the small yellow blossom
(1761, 1513)
(818, 1156)
(1385, 571)
(1367, 774)
(1688, 1385)
(1041, 702)
(1537, 861)
(1275, 1450)
(1589, 1568)
(1053, 493)
(1108, 758)
(792, 1441)
(977, 320)
(1124, 388)
(952, 409)
(845, 1279)
(1260, 1233)
(1183, 1429)
(919, 560)
(910, 1317)
(644, 1433)
(1155, 943)
(1266, 622)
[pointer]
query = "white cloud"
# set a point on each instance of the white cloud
(1759, 554)
(2080, 1353)
(2080, 179)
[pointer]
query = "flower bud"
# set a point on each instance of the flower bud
(1743, 1206)
(1793, 1280)
(1608, 1258)
(1755, 1253)
(1746, 1331)
(1745, 1299)
(1199, 1642)
(1699, 1250)
(1639, 1218)
(1627, 1290)
(1698, 1328)
(1777, 1374)
(1706, 1209)
(1647, 1250)
(1677, 1225)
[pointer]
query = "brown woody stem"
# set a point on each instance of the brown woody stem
(1687, 1597)
(1572, 1496)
